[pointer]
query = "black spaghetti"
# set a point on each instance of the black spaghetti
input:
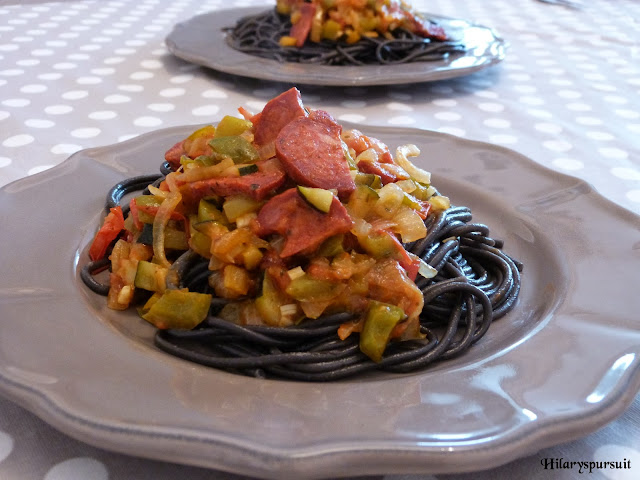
(259, 35)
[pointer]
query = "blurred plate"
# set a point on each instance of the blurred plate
(201, 40)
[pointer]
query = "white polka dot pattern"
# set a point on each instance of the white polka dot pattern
(80, 74)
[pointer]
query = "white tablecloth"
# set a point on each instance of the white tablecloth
(78, 74)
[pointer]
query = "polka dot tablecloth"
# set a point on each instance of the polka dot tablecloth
(79, 74)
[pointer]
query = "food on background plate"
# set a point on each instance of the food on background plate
(343, 32)
(280, 244)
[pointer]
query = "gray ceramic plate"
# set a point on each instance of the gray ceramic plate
(201, 40)
(562, 364)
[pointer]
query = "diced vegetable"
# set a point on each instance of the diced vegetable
(239, 205)
(418, 174)
(269, 302)
(439, 203)
(247, 169)
(111, 228)
(309, 289)
(370, 179)
(236, 147)
(318, 198)
(174, 239)
(376, 332)
(150, 276)
(179, 309)
(208, 210)
(230, 125)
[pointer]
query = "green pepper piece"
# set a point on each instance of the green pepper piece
(309, 289)
(179, 309)
(238, 148)
(380, 322)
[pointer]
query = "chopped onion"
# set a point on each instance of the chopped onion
(416, 173)
(157, 192)
(389, 200)
(410, 225)
(295, 273)
(369, 155)
(440, 203)
(288, 310)
(426, 270)
(163, 215)
(407, 186)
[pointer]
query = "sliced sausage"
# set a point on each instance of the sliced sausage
(300, 30)
(174, 154)
(277, 113)
(303, 227)
(258, 185)
(311, 152)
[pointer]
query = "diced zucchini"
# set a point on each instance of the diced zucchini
(238, 205)
(379, 244)
(332, 246)
(200, 243)
(370, 179)
(422, 192)
(411, 201)
(173, 238)
(347, 155)
(150, 276)
(208, 210)
(318, 198)
(247, 169)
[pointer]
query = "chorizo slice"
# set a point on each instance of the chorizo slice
(174, 154)
(277, 113)
(303, 227)
(258, 185)
(311, 152)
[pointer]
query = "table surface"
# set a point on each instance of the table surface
(78, 74)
